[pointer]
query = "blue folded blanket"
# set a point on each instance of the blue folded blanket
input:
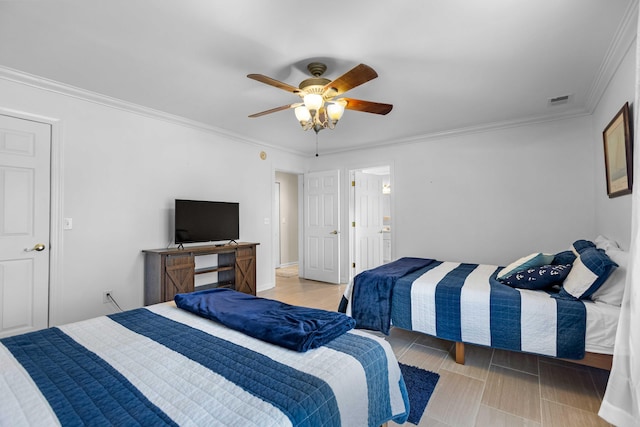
(289, 326)
(372, 289)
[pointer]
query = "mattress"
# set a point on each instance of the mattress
(465, 303)
(602, 324)
(161, 365)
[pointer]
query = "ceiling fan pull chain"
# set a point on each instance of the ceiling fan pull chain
(316, 144)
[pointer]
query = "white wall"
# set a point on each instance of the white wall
(613, 216)
(121, 172)
(487, 197)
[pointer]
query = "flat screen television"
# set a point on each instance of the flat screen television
(204, 221)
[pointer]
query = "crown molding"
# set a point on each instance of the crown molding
(487, 127)
(42, 83)
(623, 41)
(97, 98)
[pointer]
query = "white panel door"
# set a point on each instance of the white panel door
(368, 221)
(25, 148)
(322, 226)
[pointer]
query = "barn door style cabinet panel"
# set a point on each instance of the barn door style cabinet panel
(168, 272)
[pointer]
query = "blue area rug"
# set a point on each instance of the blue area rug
(420, 385)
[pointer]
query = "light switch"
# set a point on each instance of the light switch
(68, 223)
(267, 221)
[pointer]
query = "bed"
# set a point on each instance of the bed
(572, 315)
(162, 365)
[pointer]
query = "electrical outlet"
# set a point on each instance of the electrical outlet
(105, 297)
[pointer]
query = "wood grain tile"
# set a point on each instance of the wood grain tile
(476, 364)
(514, 392)
(557, 415)
(306, 293)
(423, 357)
(456, 399)
(400, 340)
(562, 362)
(519, 361)
(488, 416)
(434, 342)
(425, 421)
(600, 378)
(569, 386)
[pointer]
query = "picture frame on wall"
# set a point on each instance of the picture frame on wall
(618, 154)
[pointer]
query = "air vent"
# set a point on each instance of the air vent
(559, 100)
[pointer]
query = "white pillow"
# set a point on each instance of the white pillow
(612, 290)
(605, 243)
(536, 259)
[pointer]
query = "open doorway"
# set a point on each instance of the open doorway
(370, 231)
(286, 227)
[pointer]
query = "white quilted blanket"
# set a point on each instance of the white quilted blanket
(251, 383)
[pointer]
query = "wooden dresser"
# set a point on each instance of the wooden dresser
(171, 271)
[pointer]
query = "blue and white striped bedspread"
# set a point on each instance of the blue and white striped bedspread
(164, 366)
(465, 303)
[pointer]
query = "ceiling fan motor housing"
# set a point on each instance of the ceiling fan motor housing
(314, 85)
(316, 68)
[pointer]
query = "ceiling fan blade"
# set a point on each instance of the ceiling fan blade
(367, 106)
(275, 110)
(355, 77)
(273, 82)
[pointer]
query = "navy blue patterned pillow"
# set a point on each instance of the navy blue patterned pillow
(564, 257)
(538, 277)
(581, 245)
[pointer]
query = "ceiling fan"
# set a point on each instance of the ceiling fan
(320, 109)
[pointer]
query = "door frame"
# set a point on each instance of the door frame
(55, 208)
(277, 254)
(275, 244)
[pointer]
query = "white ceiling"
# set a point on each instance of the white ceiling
(446, 65)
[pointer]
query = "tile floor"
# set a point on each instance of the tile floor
(494, 388)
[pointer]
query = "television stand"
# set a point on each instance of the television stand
(168, 272)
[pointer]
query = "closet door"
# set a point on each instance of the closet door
(25, 150)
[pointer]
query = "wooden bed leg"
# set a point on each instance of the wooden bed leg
(460, 353)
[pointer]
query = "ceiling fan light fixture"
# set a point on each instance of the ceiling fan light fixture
(313, 102)
(335, 110)
(303, 115)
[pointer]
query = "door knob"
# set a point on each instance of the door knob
(38, 247)
(334, 232)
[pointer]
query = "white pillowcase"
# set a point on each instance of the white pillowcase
(605, 243)
(612, 290)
